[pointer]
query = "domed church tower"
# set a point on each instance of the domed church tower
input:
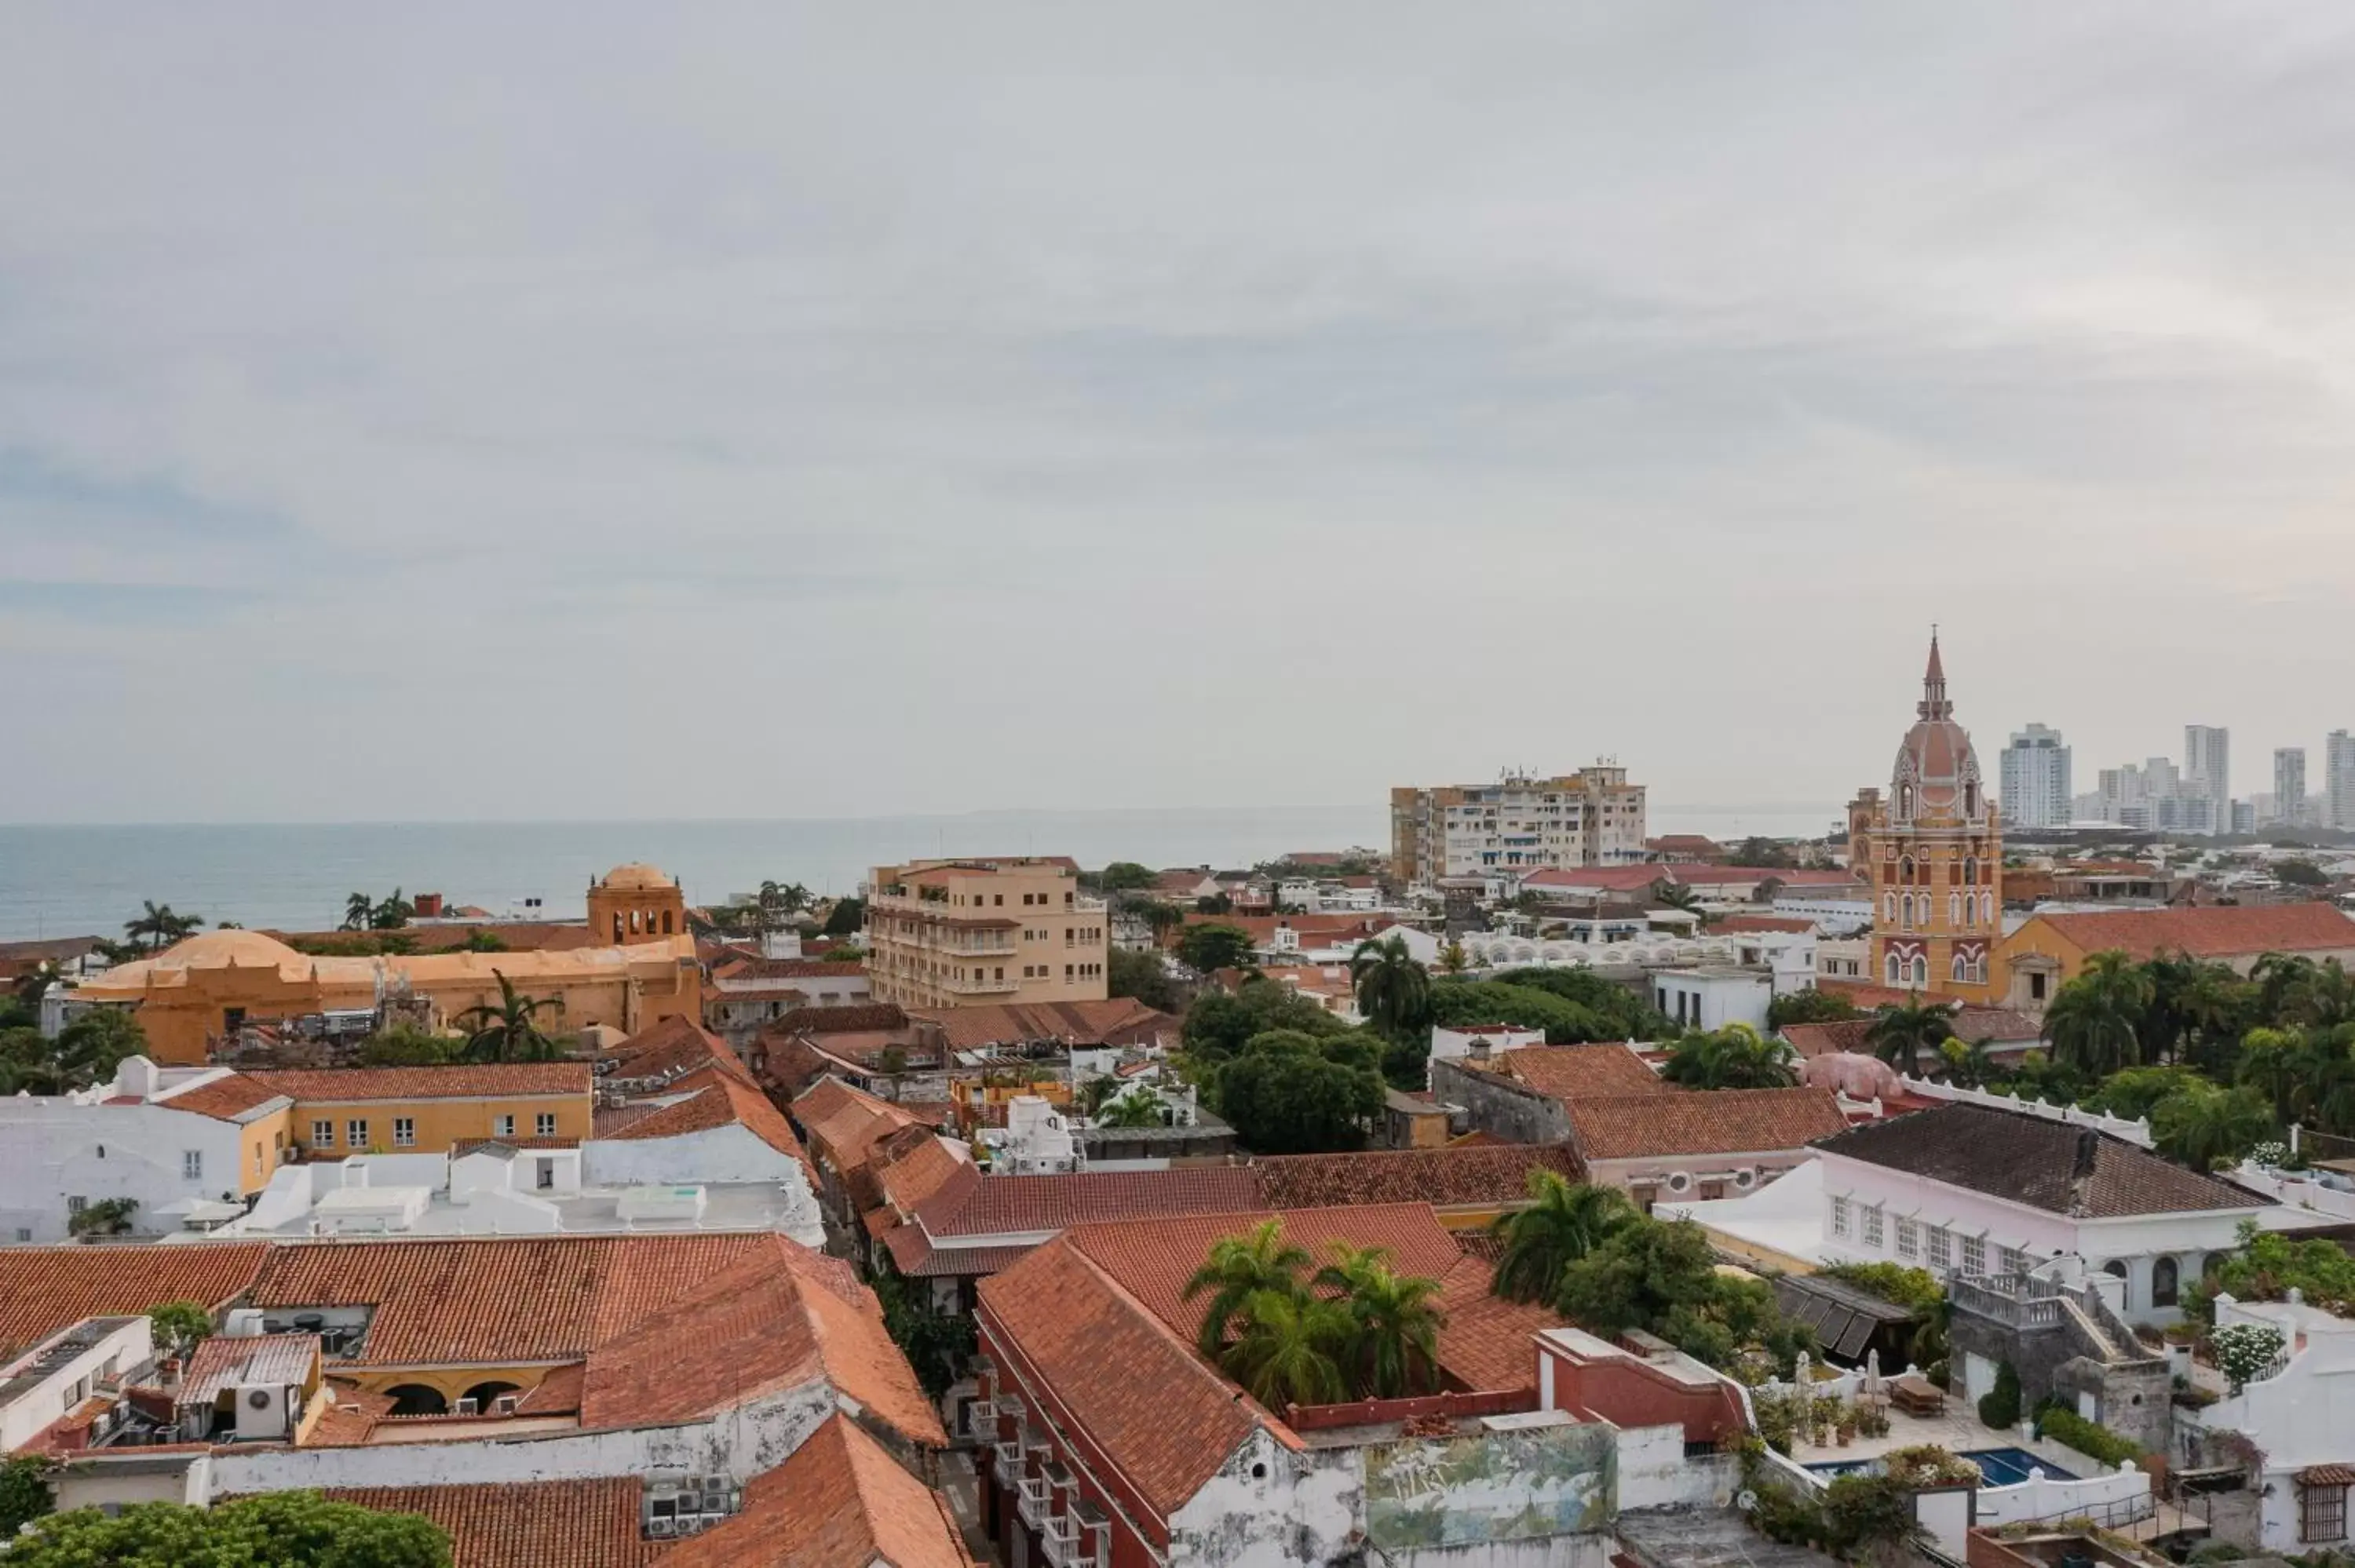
(1937, 870)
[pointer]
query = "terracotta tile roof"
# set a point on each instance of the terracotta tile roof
(1139, 1391)
(513, 1299)
(1994, 1026)
(1487, 1342)
(609, 1121)
(915, 1165)
(349, 1421)
(482, 1080)
(714, 1099)
(844, 1124)
(1455, 1177)
(1014, 1205)
(1573, 1072)
(914, 1255)
(839, 1502)
(558, 1394)
(787, 968)
(520, 936)
(2061, 1167)
(1864, 993)
(225, 1098)
(841, 1020)
(675, 1046)
(44, 1289)
(1732, 925)
(778, 1318)
(526, 1524)
(1703, 1121)
(1846, 1034)
(2237, 931)
(1121, 1020)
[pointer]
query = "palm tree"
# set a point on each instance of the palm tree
(2326, 1071)
(1141, 1108)
(1394, 991)
(1901, 1034)
(1734, 1057)
(1237, 1268)
(160, 926)
(509, 1032)
(2282, 979)
(1395, 1320)
(1669, 893)
(2201, 1124)
(392, 914)
(2094, 1023)
(1454, 959)
(1562, 1223)
(357, 908)
(2272, 1061)
(1288, 1351)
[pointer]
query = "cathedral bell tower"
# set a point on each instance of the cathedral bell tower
(1937, 859)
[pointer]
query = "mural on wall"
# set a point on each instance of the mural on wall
(1499, 1486)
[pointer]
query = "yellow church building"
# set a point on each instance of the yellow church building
(1936, 853)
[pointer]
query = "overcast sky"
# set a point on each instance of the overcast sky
(594, 411)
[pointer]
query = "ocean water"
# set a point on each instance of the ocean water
(68, 881)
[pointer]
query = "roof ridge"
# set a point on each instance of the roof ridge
(1202, 1364)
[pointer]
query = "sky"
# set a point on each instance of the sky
(592, 411)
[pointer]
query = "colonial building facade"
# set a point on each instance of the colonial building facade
(1936, 849)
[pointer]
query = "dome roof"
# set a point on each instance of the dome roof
(220, 950)
(1857, 1077)
(635, 876)
(1937, 774)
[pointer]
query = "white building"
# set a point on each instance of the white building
(1479, 1042)
(1036, 1140)
(2302, 1420)
(1592, 816)
(2035, 780)
(2208, 761)
(153, 1135)
(2290, 785)
(2338, 778)
(1711, 996)
(56, 1377)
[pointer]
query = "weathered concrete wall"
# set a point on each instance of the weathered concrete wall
(1271, 1508)
(1500, 1107)
(1655, 1473)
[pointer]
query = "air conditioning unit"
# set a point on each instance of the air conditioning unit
(713, 1502)
(690, 1524)
(469, 1407)
(661, 1528)
(243, 1323)
(504, 1405)
(1745, 1178)
(1679, 1181)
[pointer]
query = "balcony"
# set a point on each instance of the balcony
(1032, 1503)
(1009, 1457)
(1060, 1536)
(985, 947)
(981, 987)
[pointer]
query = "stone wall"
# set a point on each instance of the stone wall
(1500, 1107)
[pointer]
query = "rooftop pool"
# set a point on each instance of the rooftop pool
(2001, 1467)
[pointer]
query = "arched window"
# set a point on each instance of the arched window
(1971, 872)
(1889, 969)
(417, 1399)
(484, 1394)
(1905, 803)
(1921, 971)
(1986, 908)
(1907, 904)
(2117, 1269)
(1905, 870)
(1888, 906)
(1953, 908)
(617, 926)
(2163, 1278)
(667, 923)
(1971, 798)
(1957, 971)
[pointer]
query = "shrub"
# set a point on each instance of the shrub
(1860, 1511)
(1927, 1464)
(2244, 1351)
(1999, 1407)
(1917, 1288)
(2092, 1439)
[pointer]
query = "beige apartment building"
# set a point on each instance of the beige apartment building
(1518, 825)
(958, 933)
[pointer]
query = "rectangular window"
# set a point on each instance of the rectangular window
(1974, 1254)
(404, 1132)
(1839, 1217)
(1909, 1240)
(2010, 1260)
(76, 1205)
(544, 1124)
(1942, 1248)
(355, 1133)
(502, 1127)
(192, 1164)
(2322, 1513)
(1872, 1228)
(323, 1134)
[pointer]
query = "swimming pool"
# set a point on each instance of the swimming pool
(1999, 1466)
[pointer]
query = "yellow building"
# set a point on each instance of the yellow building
(953, 933)
(635, 903)
(2049, 950)
(1936, 852)
(427, 1110)
(196, 994)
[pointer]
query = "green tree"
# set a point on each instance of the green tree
(847, 918)
(179, 1327)
(1904, 1032)
(2094, 1023)
(157, 927)
(1141, 975)
(1668, 893)
(1238, 1267)
(106, 1217)
(1453, 958)
(1624, 1014)
(1733, 1057)
(1394, 991)
(1219, 1026)
(509, 1030)
(2300, 873)
(1394, 1322)
(392, 913)
(1999, 1406)
(483, 939)
(357, 907)
(24, 1493)
(1809, 1006)
(1211, 945)
(406, 1045)
(1138, 1107)
(1455, 1004)
(939, 1346)
(1289, 1093)
(2132, 1093)
(1637, 1276)
(1289, 1350)
(1125, 877)
(2201, 1124)
(2271, 1062)
(87, 1050)
(274, 1530)
(1562, 1223)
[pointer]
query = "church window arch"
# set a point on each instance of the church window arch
(1905, 870)
(1986, 908)
(1953, 908)
(1889, 967)
(1905, 802)
(1888, 906)
(1971, 798)
(1921, 970)
(1971, 871)
(1958, 971)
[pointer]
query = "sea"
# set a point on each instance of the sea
(70, 881)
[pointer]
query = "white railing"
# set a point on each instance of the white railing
(2114, 1493)
(1032, 1503)
(1060, 1534)
(1930, 1088)
(1009, 1454)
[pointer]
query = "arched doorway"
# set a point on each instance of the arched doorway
(483, 1394)
(2165, 1283)
(417, 1399)
(2117, 1269)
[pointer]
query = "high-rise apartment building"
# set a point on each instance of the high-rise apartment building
(2035, 780)
(1592, 816)
(2338, 778)
(2289, 784)
(960, 932)
(2208, 763)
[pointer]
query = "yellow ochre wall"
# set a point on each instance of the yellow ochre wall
(439, 1122)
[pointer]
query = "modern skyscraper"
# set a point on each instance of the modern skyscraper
(2208, 762)
(2289, 784)
(2035, 780)
(2338, 778)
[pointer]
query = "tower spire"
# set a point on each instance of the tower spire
(1934, 704)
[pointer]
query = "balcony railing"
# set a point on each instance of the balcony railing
(980, 987)
(1059, 1535)
(1009, 1457)
(2024, 1302)
(1032, 1504)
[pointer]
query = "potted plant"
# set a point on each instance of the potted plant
(1848, 1424)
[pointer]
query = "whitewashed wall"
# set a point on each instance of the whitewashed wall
(52, 1148)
